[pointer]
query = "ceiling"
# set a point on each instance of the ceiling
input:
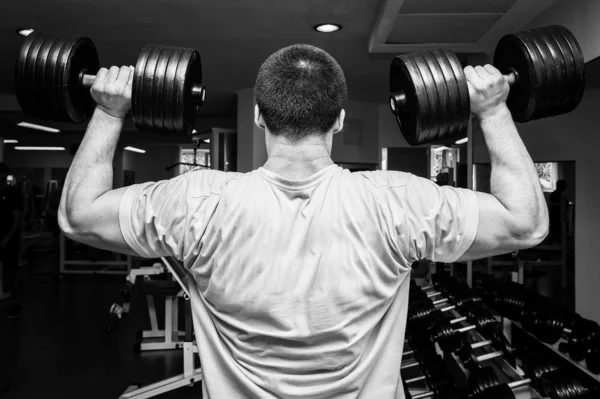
(235, 36)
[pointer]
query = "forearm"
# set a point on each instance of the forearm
(91, 173)
(514, 179)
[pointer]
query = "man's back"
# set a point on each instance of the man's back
(302, 285)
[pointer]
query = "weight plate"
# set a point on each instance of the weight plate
(50, 76)
(453, 94)
(42, 90)
(443, 97)
(404, 77)
(22, 84)
(542, 78)
(169, 85)
(548, 91)
(559, 68)
(577, 86)
(512, 53)
(570, 67)
(145, 96)
(464, 101)
(158, 90)
(81, 56)
(481, 379)
(188, 74)
(30, 77)
(432, 119)
(136, 89)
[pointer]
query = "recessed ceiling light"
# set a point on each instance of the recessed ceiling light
(462, 141)
(10, 141)
(207, 140)
(24, 32)
(328, 28)
(38, 127)
(133, 149)
(20, 148)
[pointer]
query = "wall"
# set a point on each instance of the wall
(580, 17)
(572, 137)
(152, 165)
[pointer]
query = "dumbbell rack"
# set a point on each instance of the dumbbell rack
(505, 372)
(580, 365)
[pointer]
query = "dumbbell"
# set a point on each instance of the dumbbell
(429, 95)
(441, 388)
(54, 73)
(556, 384)
(582, 340)
(423, 355)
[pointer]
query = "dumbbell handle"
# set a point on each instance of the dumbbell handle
(519, 384)
(198, 92)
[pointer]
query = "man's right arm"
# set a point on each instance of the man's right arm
(515, 215)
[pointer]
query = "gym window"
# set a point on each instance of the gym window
(187, 156)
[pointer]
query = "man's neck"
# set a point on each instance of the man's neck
(298, 161)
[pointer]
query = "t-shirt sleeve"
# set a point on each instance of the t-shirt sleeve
(441, 221)
(153, 217)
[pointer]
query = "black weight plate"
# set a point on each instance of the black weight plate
(43, 87)
(510, 53)
(481, 379)
(50, 75)
(158, 89)
(78, 53)
(30, 77)
(542, 78)
(404, 77)
(432, 119)
(136, 89)
(549, 91)
(22, 83)
(453, 93)
(560, 70)
(189, 73)
(66, 43)
(170, 73)
(570, 67)
(443, 96)
(464, 102)
(145, 96)
(577, 86)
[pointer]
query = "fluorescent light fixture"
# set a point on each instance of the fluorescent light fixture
(10, 141)
(38, 127)
(194, 131)
(133, 149)
(207, 140)
(26, 148)
(462, 141)
(24, 32)
(327, 28)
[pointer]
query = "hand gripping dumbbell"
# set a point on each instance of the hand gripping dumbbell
(429, 95)
(54, 74)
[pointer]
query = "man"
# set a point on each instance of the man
(301, 267)
(11, 209)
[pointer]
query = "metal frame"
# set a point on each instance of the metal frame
(190, 375)
(3, 295)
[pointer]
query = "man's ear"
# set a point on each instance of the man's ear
(339, 123)
(258, 119)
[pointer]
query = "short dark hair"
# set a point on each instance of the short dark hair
(300, 90)
(4, 169)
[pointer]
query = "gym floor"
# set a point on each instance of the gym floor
(58, 348)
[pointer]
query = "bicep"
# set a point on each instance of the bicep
(496, 233)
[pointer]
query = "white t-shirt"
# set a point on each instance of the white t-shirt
(301, 286)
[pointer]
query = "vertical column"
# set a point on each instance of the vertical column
(252, 150)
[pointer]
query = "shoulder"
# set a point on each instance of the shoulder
(208, 181)
(384, 178)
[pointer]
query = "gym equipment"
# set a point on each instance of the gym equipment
(422, 295)
(439, 381)
(54, 73)
(430, 97)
